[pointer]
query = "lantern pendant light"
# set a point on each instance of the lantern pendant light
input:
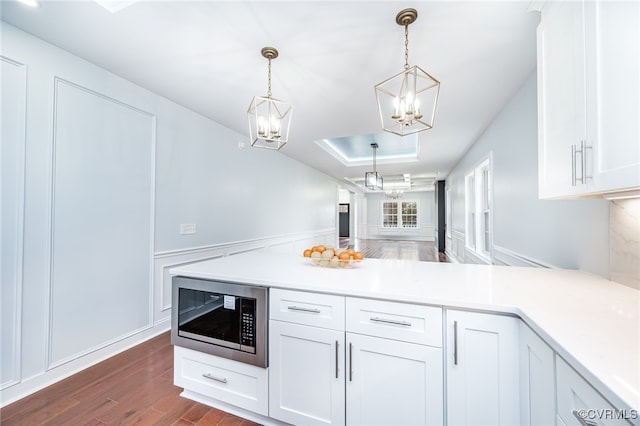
(269, 118)
(373, 180)
(407, 101)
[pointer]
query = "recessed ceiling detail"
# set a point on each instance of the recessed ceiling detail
(402, 182)
(356, 150)
(114, 6)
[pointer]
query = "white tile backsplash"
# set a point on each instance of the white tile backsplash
(624, 234)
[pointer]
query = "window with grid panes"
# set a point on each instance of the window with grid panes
(478, 206)
(409, 214)
(390, 214)
(397, 214)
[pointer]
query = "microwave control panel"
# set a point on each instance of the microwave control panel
(247, 325)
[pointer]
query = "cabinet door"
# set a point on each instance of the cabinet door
(393, 383)
(306, 374)
(613, 93)
(537, 380)
(561, 98)
(482, 369)
(579, 404)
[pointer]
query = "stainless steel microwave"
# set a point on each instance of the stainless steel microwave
(220, 318)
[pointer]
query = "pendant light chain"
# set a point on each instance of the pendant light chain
(269, 78)
(406, 46)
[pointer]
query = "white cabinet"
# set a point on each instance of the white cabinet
(387, 369)
(306, 358)
(306, 374)
(588, 98)
(578, 403)
(394, 363)
(393, 383)
(537, 380)
(216, 378)
(482, 369)
(561, 97)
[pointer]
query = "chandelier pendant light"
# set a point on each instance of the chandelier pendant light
(407, 101)
(373, 180)
(269, 118)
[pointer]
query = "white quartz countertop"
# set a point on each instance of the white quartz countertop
(591, 322)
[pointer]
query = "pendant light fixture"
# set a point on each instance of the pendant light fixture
(373, 180)
(269, 118)
(407, 101)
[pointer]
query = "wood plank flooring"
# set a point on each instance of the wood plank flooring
(396, 249)
(134, 387)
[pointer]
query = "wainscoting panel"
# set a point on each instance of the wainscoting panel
(503, 256)
(423, 233)
(12, 155)
(287, 245)
(101, 221)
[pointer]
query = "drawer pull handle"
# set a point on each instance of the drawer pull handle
(217, 379)
(388, 321)
(455, 343)
(350, 361)
(583, 421)
(298, 308)
(337, 359)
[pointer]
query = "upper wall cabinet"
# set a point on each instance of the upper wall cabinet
(588, 98)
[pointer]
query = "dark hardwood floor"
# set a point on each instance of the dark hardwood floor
(134, 387)
(396, 249)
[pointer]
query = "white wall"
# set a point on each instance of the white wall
(97, 176)
(570, 234)
(426, 217)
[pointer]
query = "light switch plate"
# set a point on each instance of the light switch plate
(187, 228)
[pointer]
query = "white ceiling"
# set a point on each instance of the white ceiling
(205, 55)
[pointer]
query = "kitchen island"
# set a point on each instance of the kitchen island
(591, 323)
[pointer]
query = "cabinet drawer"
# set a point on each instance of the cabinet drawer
(576, 396)
(235, 383)
(398, 321)
(317, 310)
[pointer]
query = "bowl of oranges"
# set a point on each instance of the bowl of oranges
(330, 257)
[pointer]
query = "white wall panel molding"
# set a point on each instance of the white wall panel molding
(503, 256)
(101, 222)
(287, 244)
(421, 233)
(12, 199)
(470, 256)
(456, 251)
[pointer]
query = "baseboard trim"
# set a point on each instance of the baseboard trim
(46, 378)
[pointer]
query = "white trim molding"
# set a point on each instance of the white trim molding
(287, 244)
(13, 216)
(503, 256)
